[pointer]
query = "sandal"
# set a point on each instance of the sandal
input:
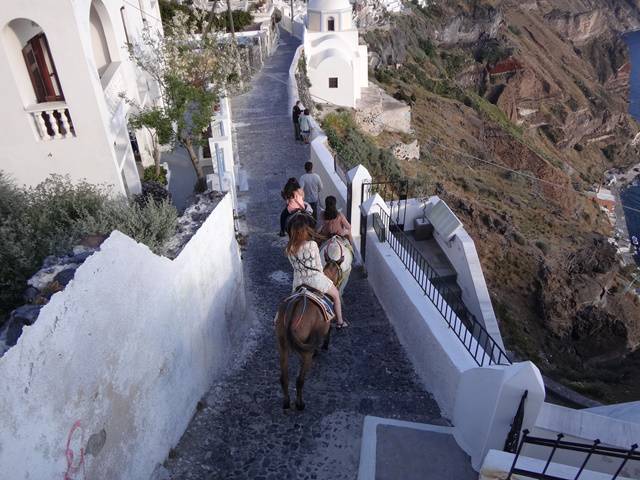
(342, 325)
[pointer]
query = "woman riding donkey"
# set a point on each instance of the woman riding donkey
(293, 194)
(339, 246)
(302, 322)
(334, 222)
(304, 255)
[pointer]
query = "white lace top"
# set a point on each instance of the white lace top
(307, 268)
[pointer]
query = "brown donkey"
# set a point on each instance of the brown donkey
(301, 327)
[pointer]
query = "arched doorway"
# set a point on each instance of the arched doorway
(102, 40)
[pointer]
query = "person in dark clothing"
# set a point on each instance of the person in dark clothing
(297, 111)
(293, 194)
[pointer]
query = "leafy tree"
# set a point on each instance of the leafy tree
(159, 127)
(192, 70)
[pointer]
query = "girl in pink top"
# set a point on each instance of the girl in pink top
(293, 194)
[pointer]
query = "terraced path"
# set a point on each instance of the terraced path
(241, 432)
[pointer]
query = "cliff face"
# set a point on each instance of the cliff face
(538, 88)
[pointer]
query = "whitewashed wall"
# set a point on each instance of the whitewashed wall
(123, 354)
(434, 350)
(323, 165)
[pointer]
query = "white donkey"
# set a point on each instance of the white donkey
(338, 249)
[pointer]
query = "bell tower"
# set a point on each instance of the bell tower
(329, 16)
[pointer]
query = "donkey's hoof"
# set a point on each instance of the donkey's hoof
(300, 406)
(286, 405)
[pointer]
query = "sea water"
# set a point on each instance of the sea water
(631, 196)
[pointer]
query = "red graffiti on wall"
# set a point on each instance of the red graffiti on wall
(75, 466)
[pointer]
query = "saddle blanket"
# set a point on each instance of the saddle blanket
(323, 301)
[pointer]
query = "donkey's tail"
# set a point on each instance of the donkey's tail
(294, 341)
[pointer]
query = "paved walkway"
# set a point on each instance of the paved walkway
(242, 432)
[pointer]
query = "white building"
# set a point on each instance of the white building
(336, 62)
(65, 64)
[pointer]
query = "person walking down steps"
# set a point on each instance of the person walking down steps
(311, 183)
(305, 125)
(297, 111)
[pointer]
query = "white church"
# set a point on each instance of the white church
(336, 62)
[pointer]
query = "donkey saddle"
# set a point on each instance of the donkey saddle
(323, 301)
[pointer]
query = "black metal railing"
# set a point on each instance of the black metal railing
(338, 168)
(590, 450)
(394, 192)
(513, 437)
(475, 338)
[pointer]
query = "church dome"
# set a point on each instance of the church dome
(328, 5)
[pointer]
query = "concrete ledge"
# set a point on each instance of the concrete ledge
(405, 449)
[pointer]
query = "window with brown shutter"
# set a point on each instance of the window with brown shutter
(42, 70)
(333, 82)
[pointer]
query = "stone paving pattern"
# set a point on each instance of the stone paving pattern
(241, 431)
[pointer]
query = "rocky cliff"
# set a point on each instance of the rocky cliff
(521, 107)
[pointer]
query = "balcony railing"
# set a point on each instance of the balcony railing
(476, 340)
(596, 449)
(52, 120)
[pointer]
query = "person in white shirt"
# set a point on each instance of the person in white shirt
(311, 183)
(305, 125)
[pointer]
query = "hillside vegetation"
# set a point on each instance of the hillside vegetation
(514, 154)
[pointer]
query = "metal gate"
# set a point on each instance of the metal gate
(394, 193)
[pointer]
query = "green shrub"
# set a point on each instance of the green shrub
(543, 246)
(52, 217)
(154, 191)
(453, 63)
(149, 175)
(495, 114)
(241, 19)
(383, 75)
(354, 147)
(169, 8)
(427, 47)
(151, 223)
(491, 52)
(515, 30)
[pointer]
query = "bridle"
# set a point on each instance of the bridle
(328, 260)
